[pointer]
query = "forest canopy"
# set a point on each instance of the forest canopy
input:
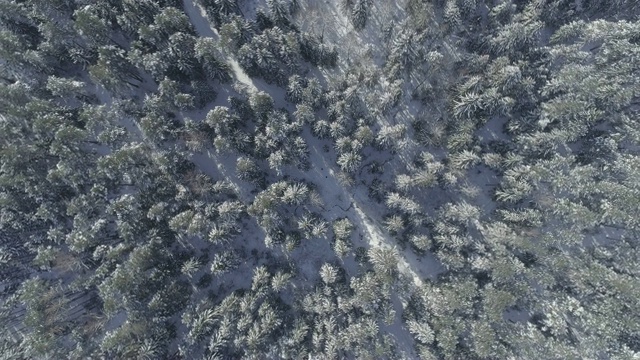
(291, 179)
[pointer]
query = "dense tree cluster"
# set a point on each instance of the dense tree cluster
(217, 179)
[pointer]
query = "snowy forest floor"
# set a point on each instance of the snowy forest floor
(339, 200)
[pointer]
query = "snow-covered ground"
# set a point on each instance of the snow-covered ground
(202, 25)
(340, 201)
(355, 204)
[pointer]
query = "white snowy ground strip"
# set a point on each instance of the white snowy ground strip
(340, 201)
(357, 204)
(202, 25)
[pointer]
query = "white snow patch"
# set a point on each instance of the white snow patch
(376, 238)
(356, 205)
(202, 25)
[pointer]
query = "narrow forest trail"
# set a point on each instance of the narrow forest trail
(211, 163)
(337, 198)
(203, 27)
(354, 204)
(340, 201)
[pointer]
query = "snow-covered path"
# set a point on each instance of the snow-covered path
(203, 27)
(334, 194)
(340, 201)
(356, 205)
